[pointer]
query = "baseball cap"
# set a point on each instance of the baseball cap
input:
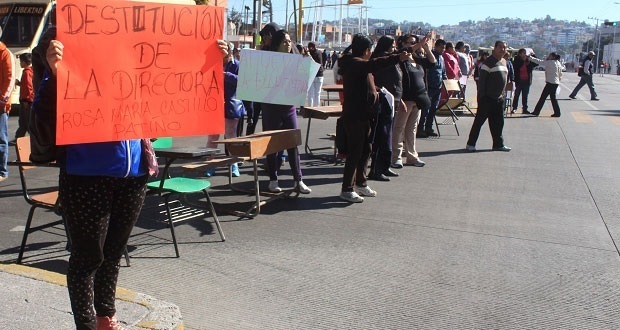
(269, 29)
(592, 53)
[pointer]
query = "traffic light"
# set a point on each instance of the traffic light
(355, 2)
(611, 23)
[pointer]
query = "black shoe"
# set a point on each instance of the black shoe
(535, 114)
(390, 173)
(594, 99)
(431, 133)
(525, 112)
(555, 115)
(572, 97)
(421, 135)
(379, 177)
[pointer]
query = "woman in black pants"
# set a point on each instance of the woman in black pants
(360, 99)
(390, 77)
(101, 188)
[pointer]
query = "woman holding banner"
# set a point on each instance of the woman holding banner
(102, 188)
(278, 116)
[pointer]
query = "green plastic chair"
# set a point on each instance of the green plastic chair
(170, 186)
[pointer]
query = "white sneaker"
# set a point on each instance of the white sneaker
(351, 196)
(397, 163)
(470, 148)
(417, 163)
(366, 191)
(302, 188)
(273, 187)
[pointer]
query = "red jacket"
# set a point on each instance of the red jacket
(26, 91)
(7, 79)
(453, 71)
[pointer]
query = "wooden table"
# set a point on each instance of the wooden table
(330, 89)
(319, 113)
(174, 153)
(255, 146)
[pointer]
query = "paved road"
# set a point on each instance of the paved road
(485, 240)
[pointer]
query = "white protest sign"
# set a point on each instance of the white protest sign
(277, 78)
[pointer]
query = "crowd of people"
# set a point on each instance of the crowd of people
(390, 97)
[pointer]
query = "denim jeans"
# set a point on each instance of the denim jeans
(428, 115)
(4, 144)
(523, 90)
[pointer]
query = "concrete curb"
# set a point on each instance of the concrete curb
(160, 315)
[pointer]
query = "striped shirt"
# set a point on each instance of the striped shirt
(493, 78)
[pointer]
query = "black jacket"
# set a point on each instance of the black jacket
(517, 64)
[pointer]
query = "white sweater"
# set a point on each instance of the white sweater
(553, 69)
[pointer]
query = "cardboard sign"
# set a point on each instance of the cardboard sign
(277, 78)
(137, 70)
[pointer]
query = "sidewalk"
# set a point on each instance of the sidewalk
(35, 298)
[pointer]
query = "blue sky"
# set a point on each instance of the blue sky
(454, 11)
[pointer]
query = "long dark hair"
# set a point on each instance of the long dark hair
(383, 46)
(276, 39)
(359, 44)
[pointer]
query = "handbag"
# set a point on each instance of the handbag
(149, 157)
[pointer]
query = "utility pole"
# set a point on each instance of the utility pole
(596, 31)
(300, 24)
(340, 28)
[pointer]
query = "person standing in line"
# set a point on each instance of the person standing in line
(434, 79)
(278, 116)
(314, 93)
(450, 58)
(481, 58)
(585, 72)
(491, 85)
(553, 75)
(7, 82)
(390, 78)
(415, 97)
(358, 108)
(26, 95)
(464, 65)
(523, 68)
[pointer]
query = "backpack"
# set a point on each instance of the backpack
(580, 72)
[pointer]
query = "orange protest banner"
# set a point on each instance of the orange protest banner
(137, 70)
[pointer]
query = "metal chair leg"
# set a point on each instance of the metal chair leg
(171, 224)
(212, 209)
(126, 253)
(26, 232)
